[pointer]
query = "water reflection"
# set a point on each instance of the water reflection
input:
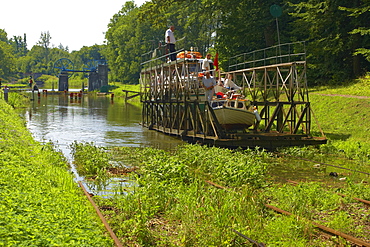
(63, 120)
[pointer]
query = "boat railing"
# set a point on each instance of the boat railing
(160, 54)
(283, 53)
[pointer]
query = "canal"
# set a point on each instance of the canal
(98, 119)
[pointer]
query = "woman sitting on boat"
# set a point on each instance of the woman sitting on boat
(229, 84)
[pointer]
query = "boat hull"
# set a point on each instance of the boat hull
(234, 118)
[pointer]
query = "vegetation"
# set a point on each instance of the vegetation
(41, 205)
(346, 127)
(174, 205)
(196, 195)
(199, 196)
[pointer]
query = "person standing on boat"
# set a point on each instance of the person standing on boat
(207, 64)
(170, 41)
(209, 84)
(229, 84)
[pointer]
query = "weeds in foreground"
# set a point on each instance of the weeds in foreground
(175, 206)
(40, 204)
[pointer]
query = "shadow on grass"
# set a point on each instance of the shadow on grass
(341, 137)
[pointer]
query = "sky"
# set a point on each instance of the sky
(72, 23)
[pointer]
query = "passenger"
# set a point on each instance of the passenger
(170, 42)
(207, 64)
(220, 86)
(229, 84)
(209, 84)
(30, 82)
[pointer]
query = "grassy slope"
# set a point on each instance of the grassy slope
(343, 112)
(40, 204)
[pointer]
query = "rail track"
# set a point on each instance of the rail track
(105, 223)
(353, 240)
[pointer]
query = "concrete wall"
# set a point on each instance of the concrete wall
(103, 74)
(94, 83)
(98, 79)
(63, 81)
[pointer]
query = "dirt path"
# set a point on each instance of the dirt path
(344, 95)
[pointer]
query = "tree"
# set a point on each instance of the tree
(19, 45)
(360, 15)
(331, 45)
(44, 42)
(7, 59)
(3, 36)
(127, 39)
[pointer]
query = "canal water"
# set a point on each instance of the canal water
(62, 120)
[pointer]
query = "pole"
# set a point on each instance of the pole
(278, 34)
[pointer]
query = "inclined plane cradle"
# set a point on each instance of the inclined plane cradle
(273, 81)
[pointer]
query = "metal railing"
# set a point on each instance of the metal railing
(161, 53)
(284, 53)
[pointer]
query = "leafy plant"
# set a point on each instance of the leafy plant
(89, 159)
(40, 204)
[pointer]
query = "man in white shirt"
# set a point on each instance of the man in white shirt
(170, 41)
(207, 64)
(209, 84)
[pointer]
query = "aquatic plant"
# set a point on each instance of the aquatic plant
(89, 159)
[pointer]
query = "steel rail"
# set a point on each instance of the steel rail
(249, 239)
(106, 225)
(357, 199)
(354, 240)
(342, 195)
(217, 186)
(322, 163)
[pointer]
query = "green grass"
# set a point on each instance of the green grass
(344, 117)
(358, 87)
(40, 204)
(175, 206)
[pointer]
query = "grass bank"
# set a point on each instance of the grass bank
(40, 204)
(343, 114)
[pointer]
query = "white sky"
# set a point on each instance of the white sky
(72, 23)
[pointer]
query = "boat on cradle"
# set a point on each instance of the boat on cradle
(234, 113)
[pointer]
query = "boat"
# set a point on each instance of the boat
(233, 112)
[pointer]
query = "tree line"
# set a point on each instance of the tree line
(18, 62)
(336, 32)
